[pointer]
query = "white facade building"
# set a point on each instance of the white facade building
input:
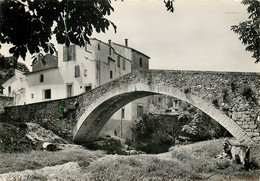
(74, 71)
(15, 87)
(78, 69)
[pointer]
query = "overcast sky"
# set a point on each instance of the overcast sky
(196, 36)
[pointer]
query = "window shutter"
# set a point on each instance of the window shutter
(124, 64)
(123, 113)
(141, 62)
(118, 61)
(41, 78)
(140, 111)
(73, 52)
(97, 69)
(65, 57)
(111, 74)
(77, 71)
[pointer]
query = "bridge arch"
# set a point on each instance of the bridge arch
(96, 115)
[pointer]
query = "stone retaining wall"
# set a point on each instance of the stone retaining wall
(58, 116)
(5, 102)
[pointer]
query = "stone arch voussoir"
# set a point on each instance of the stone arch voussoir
(99, 112)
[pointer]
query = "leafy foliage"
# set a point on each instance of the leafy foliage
(110, 145)
(155, 133)
(29, 24)
(248, 93)
(160, 125)
(169, 5)
(198, 126)
(249, 31)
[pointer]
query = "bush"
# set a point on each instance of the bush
(155, 133)
(110, 145)
(198, 126)
(248, 94)
(13, 139)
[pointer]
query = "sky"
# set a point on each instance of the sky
(196, 36)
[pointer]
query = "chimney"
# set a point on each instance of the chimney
(126, 42)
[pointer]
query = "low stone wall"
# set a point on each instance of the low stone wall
(5, 102)
(58, 116)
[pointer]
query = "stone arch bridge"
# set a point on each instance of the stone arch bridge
(230, 98)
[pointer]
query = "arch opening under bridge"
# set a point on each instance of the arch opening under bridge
(98, 113)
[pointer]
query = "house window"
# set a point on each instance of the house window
(9, 90)
(98, 47)
(32, 96)
(88, 88)
(124, 64)
(41, 78)
(118, 61)
(123, 113)
(85, 73)
(176, 104)
(140, 111)
(47, 93)
(141, 62)
(77, 71)
(69, 53)
(69, 90)
(111, 74)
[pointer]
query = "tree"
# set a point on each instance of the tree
(249, 31)
(155, 133)
(198, 126)
(29, 24)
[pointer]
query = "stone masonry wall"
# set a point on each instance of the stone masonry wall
(5, 102)
(234, 94)
(58, 115)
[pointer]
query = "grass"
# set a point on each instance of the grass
(39, 159)
(195, 161)
(188, 162)
(12, 138)
(147, 167)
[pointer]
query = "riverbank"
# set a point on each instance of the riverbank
(188, 162)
